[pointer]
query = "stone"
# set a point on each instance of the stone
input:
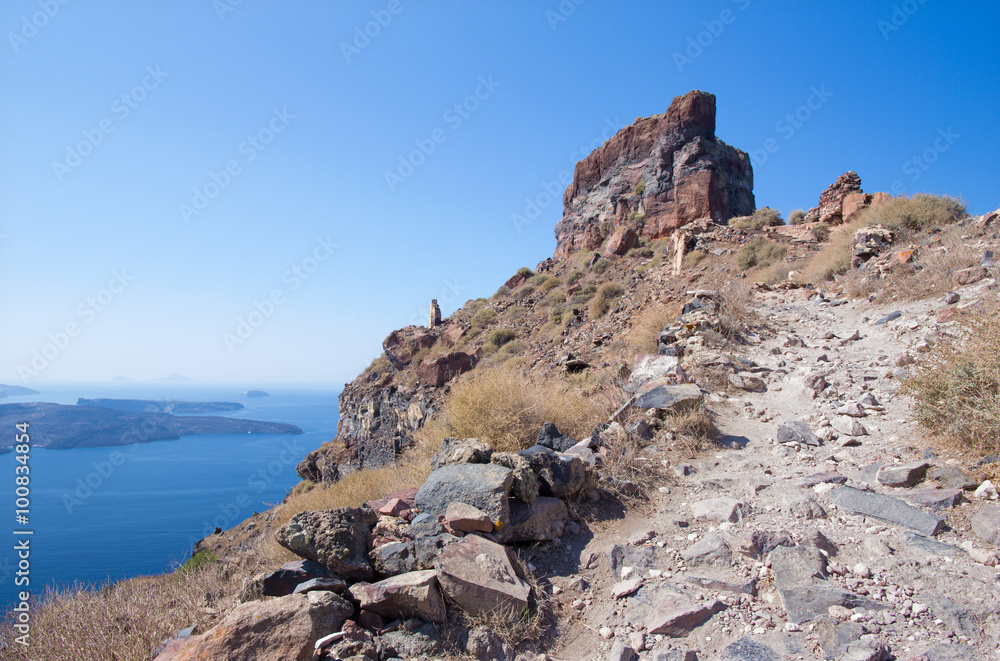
(641, 558)
(248, 631)
(413, 594)
(720, 509)
(803, 506)
(952, 652)
(935, 499)
(484, 486)
(394, 507)
(892, 316)
(168, 649)
(762, 542)
(626, 587)
(747, 649)
(953, 477)
(284, 580)
(848, 427)
(658, 394)
(435, 372)
(435, 314)
(930, 546)
(950, 298)
(797, 432)
(985, 491)
(800, 578)
(551, 438)
(427, 549)
(748, 382)
(687, 174)
(420, 643)
(654, 367)
(394, 558)
(886, 508)
(401, 345)
(852, 409)
(622, 652)
(542, 521)
(971, 275)
(330, 584)
(677, 655)
(335, 538)
(466, 518)
(709, 550)
(525, 484)
(461, 451)
(725, 582)
(559, 474)
(830, 208)
(482, 643)
(621, 241)
(986, 525)
(810, 481)
(478, 575)
(679, 615)
(902, 475)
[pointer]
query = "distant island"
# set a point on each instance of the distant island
(8, 391)
(61, 427)
(254, 393)
(156, 406)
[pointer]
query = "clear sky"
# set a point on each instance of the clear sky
(167, 169)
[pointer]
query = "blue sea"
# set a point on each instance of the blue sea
(103, 514)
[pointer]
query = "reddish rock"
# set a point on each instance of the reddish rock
(438, 371)
(466, 518)
(945, 315)
(452, 333)
(516, 280)
(971, 275)
(478, 576)
(706, 178)
(371, 621)
(855, 202)
(403, 344)
(407, 498)
(414, 594)
(903, 256)
(678, 616)
(622, 240)
(831, 202)
(394, 507)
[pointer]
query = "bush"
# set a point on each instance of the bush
(601, 266)
(759, 253)
(761, 218)
(956, 390)
(736, 314)
(692, 258)
(500, 337)
(483, 318)
(505, 407)
(199, 560)
(642, 337)
(822, 232)
(502, 291)
(549, 283)
(918, 213)
(642, 251)
(835, 257)
(601, 302)
(797, 217)
(523, 293)
(525, 271)
(639, 187)
(574, 277)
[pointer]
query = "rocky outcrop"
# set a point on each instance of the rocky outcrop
(654, 176)
(831, 201)
(435, 372)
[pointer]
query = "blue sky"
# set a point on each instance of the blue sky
(170, 169)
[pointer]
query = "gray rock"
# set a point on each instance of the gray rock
(868, 648)
(958, 616)
(915, 542)
(748, 382)
(835, 636)
(478, 576)
(426, 528)
(762, 542)
(642, 558)
(559, 474)
(485, 486)
(952, 652)
(797, 432)
(892, 316)
(935, 499)
(667, 397)
(747, 649)
(869, 474)
(525, 484)
(902, 475)
(803, 506)
(822, 478)
(885, 508)
(550, 437)
(709, 550)
(677, 655)
(986, 525)
(640, 429)
(542, 521)
(720, 509)
(952, 477)
(427, 549)
(483, 643)
(950, 298)
(421, 643)
(394, 558)
(335, 538)
(328, 584)
(800, 578)
(818, 540)
(285, 579)
(848, 426)
(461, 451)
(725, 583)
(622, 652)
(678, 615)
(660, 368)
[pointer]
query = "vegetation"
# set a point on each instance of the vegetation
(525, 271)
(505, 407)
(797, 217)
(759, 253)
(601, 302)
(197, 561)
(639, 187)
(380, 363)
(918, 213)
(956, 390)
(483, 318)
(498, 338)
(642, 337)
(761, 218)
(822, 232)
(736, 313)
(574, 277)
(549, 283)
(524, 292)
(692, 258)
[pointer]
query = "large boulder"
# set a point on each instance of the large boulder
(286, 578)
(435, 372)
(525, 484)
(830, 208)
(477, 574)
(543, 520)
(402, 345)
(414, 594)
(664, 395)
(621, 241)
(461, 451)
(282, 629)
(650, 367)
(986, 525)
(552, 438)
(559, 474)
(335, 538)
(484, 486)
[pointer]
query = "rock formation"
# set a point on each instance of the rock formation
(435, 318)
(654, 176)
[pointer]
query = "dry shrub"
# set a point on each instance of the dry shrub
(759, 253)
(694, 430)
(956, 390)
(692, 258)
(641, 338)
(506, 407)
(601, 302)
(126, 620)
(918, 213)
(626, 463)
(835, 257)
(736, 313)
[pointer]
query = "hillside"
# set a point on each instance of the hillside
(770, 441)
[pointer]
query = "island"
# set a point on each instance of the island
(254, 393)
(61, 427)
(156, 406)
(8, 391)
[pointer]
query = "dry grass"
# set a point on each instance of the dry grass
(641, 338)
(601, 302)
(505, 407)
(736, 313)
(760, 253)
(126, 620)
(694, 431)
(835, 257)
(956, 389)
(918, 213)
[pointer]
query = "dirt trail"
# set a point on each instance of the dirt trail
(704, 549)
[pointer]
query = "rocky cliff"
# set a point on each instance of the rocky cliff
(654, 176)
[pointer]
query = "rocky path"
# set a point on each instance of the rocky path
(846, 536)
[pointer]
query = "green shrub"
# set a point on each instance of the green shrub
(601, 266)
(601, 302)
(639, 188)
(500, 337)
(574, 277)
(483, 318)
(822, 232)
(524, 292)
(692, 258)
(797, 217)
(555, 298)
(643, 252)
(550, 283)
(918, 213)
(199, 560)
(761, 218)
(759, 253)
(502, 291)
(525, 271)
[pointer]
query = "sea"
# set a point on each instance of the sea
(99, 515)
